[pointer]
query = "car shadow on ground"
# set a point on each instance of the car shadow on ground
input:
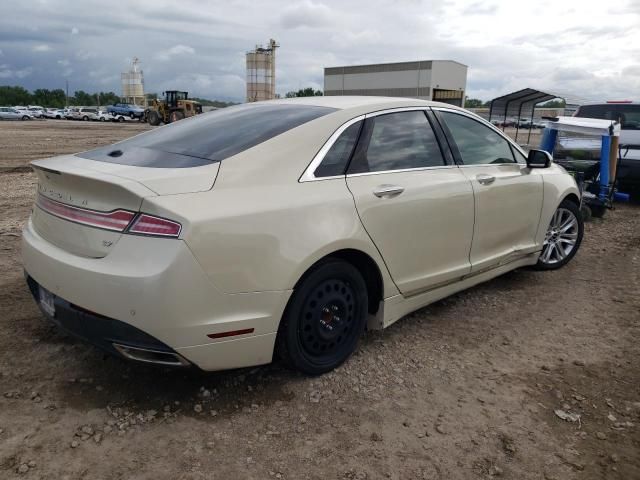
(88, 379)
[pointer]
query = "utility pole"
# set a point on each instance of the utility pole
(66, 96)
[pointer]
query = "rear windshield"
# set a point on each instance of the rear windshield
(207, 138)
(627, 114)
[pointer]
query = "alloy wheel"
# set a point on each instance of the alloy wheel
(561, 237)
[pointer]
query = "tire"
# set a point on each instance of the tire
(131, 115)
(324, 319)
(25, 117)
(563, 237)
(598, 211)
(153, 118)
(102, 119)
(85, 119)
(121, 119)
(175, 116)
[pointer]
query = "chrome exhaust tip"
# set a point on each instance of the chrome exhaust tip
(148, 355)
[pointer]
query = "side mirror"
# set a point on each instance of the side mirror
(539, 159)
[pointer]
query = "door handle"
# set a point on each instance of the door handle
(388, 191)
(484, 179)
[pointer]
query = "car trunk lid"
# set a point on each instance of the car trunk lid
(84, 205)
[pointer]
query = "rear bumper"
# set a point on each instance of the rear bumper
(157, 288)
(113, 336)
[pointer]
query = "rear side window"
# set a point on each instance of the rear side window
(397, 141)
(477, 143)
(210, 137)
(337, 158)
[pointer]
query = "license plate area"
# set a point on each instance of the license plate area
(47, 301)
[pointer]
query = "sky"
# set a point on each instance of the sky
(589, 49)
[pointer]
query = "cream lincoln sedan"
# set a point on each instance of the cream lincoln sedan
(287, 226)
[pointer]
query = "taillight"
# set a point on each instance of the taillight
(116, 220)
(149, 225)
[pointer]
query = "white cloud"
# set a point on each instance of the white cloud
(306, 14)
(7, 72)
(507, 45)
(85, 55)
(42, 48)
(178, 50)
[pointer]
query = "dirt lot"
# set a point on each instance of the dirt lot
(21, 142)
(463, 389)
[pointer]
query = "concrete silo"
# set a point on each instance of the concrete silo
(133, 84)
(261, 73)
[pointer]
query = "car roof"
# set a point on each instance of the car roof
(612, 102)
(358, 102)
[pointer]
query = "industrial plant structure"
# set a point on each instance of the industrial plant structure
(439, 80)
(133, 84)
(261, 73)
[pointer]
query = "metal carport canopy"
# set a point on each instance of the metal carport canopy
(519, 104)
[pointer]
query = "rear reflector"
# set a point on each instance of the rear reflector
(232, 333)
(148, 225)
(116, 220)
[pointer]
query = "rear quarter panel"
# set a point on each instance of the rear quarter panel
(259, 228)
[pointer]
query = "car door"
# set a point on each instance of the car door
(9, 114)
(416, 207)
(508, 195)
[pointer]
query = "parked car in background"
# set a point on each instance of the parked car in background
(120, 118)
(628, 114)
(10, 113)
(24, 110)
(70, 113)
(103, 116)
(287, 226)
(54, 113)
(84, 113)
(36, 111)
(127, 110)
(528, 123)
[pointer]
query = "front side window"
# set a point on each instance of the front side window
(397, 141)
(337, 158)
(477, 143)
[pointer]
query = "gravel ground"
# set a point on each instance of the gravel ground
(21, 142)
(530, 376)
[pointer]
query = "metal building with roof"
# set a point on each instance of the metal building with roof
(439, 80)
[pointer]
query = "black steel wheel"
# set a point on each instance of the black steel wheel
(324, 319)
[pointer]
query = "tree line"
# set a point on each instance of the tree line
(304, 92)
(16, 95)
